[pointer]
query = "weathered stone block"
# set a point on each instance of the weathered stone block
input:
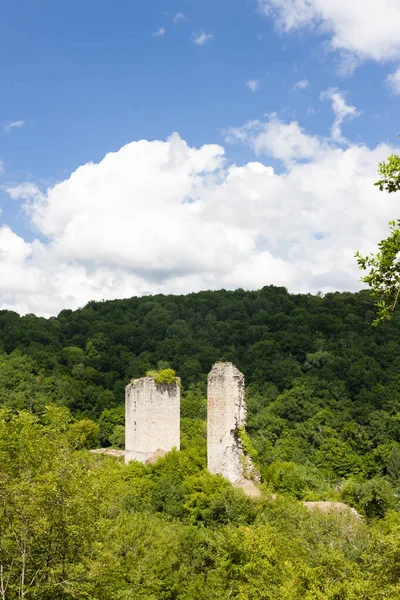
(152, 418)
(226, 416)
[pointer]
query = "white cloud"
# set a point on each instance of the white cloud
(301, 85)
(284, 141)
(17, 275)
(23, 191)
(367, 29)
(288, 142)
(160, 32)
(393, 80)
(2, 169)
(179, 17)
(13, 125)
(343, 112)
(12, 247)
(253, 84)
(348, 62)
(202, 38)
(163, 217)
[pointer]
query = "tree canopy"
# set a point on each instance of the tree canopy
(383, 277)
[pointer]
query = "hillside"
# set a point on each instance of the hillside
(322, 383)
(324, 417)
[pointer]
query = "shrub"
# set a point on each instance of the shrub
(293, 479)
(117, 438)
(165, 376)
(109, 419)
(84, 434)
(372, 498)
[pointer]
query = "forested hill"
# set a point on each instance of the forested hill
(272, 336)
(314, 366)
(324, 418)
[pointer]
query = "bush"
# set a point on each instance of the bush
(109, 419)
(293, 479)
(211, 501)
(84, 434)
(165, 376)
(372, 498)
(117, 438)
(393, 466)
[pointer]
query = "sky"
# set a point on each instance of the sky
(172, 146)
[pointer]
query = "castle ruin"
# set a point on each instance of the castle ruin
(152, 424)
(152, 418)
(226, 419)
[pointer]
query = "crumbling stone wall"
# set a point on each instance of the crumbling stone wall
(152, 418)
(226, 416)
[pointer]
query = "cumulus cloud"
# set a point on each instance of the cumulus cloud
(17, 275)
(160, 216)
(301, 85)
(253, 84)
(393, 80)
(202, 38)
(13, 125)
(343, 112)
(365, 29)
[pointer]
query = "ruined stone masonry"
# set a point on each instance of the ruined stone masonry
(152, 418)
(226, 417)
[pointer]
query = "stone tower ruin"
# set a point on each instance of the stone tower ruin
(226, 417)
(152, 418)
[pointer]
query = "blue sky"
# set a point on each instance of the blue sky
(83, 79)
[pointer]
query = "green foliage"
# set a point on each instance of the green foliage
(48, 500)
(393, 466)
(246, 443)
(211, 501)
(194, 403)
(84, 434)
(322, 387)
(384, 273)
(110, 418)
(372, 498)
(117, 438)
(384, 560)
(390, 171)
(383, 277)
(295, 480)
(194, 435)
(77, 525)
(323, 397)
(337, 457)
(167, 376)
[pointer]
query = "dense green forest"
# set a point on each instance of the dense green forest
(323, 396)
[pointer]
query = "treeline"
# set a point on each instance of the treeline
(272, 336)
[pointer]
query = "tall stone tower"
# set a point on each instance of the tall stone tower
(226, 414)
(152, 418)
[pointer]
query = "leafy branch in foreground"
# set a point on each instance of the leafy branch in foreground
(384, 273)
(390, 171)
(384, 267)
